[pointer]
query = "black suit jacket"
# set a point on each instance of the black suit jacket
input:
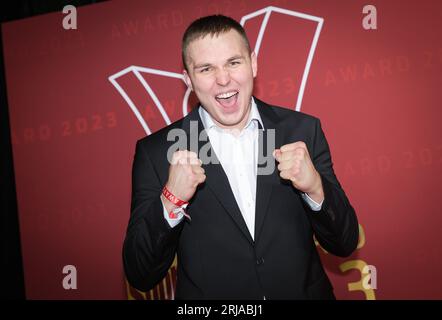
(217, 257)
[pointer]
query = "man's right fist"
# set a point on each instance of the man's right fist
(185, 174)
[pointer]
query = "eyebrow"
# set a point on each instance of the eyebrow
(205, 65)
(235, 58)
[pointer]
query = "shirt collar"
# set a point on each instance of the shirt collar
(253, 116)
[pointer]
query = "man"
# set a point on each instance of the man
(238, 232)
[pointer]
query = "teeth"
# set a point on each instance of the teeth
(226, 95)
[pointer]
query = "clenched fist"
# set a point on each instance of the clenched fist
(185, 174)
(295, 165)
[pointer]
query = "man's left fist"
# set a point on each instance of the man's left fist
(295, 165)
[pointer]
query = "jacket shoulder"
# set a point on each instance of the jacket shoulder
(286, 114)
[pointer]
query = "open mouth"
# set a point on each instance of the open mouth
(227, 99)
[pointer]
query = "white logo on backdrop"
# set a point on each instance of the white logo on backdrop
(137, 70)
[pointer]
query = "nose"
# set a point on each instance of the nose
(222, 77)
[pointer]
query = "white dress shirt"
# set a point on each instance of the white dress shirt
(237, 152)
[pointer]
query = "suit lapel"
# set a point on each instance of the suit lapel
(265, 182)
(216, 178)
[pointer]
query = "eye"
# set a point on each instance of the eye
(234, 63)
(204, 70)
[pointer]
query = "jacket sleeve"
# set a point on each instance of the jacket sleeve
(150, 244)
(336, 226)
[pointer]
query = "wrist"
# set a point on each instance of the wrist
(168, 204)
(174, 205)
(317, 192)
(173, 198)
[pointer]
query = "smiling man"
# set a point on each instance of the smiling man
(238, 234)
(220, 69)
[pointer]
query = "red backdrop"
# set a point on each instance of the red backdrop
(73, 97)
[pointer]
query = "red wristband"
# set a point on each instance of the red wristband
(172, 198)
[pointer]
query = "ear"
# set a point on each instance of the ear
(187, 80)
(254, 60)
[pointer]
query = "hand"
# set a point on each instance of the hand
(295, 165)
(185, 174)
